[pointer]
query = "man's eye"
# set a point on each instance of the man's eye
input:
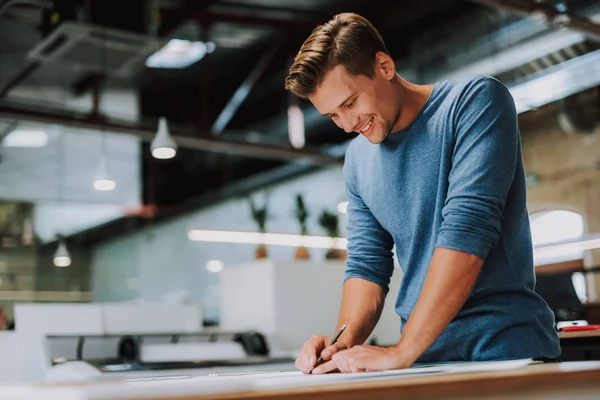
(350, 105)
(332, 116)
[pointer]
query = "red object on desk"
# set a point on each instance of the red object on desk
(580, 328)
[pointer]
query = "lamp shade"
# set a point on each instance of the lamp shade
(103, 181)
(62, 258)
(163, 146)
(296, 126)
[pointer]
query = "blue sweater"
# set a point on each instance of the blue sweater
(454, 178)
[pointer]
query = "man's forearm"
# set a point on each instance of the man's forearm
(362, 303)
(447, 286)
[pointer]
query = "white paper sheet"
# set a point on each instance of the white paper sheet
(279, 380)
(296, 379)
(486, 366)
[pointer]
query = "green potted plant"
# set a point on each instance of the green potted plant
(260, 215)
(302, 216)
(330, 223)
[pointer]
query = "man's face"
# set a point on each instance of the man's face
(357, 103)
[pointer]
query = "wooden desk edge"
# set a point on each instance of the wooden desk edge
(578, 334)
(533, 377)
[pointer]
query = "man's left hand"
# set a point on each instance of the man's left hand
(368, 358)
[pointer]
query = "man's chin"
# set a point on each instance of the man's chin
(375, 139)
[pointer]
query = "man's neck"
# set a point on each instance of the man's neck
(412, 99)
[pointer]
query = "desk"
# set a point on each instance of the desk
(586, 342)
(532, 382)
(579, 334)
(575, 381)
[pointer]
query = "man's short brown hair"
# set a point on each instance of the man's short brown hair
(347, 39)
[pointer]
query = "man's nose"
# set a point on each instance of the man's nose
(348, 123)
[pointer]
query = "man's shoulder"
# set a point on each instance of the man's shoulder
(476, 90)
(475, 83)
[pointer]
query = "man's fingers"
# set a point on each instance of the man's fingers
(331, 350)
(346, 361)
(310, 352)
(324, 368)
(315, 347)
(355, 367)
(302, 364)
(305, 361)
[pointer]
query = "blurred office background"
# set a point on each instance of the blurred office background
(132, 130)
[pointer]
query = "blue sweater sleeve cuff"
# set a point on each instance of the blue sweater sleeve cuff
(467, 242)
(383, 281)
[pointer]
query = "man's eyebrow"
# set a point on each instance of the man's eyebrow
(347, 99)
(342, 104)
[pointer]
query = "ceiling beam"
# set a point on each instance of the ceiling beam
(183, 139)
(17, 79)
(244, 89)
(281, 23)
(172, 19)
(557, 18)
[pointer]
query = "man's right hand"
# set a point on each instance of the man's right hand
(318, 345)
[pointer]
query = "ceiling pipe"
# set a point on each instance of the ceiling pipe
(204, 143)
(548, 13)
(244, 89)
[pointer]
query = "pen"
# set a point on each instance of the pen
(320, 360)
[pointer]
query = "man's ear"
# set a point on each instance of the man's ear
(385, 65)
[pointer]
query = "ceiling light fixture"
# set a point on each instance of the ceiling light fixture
(26, 138)
(163, 146)
(296, 126)
(179, 53)
(589, 242)
(62, 257)
(103, 181)
(276, 239)
(215, 266)
(342, 207)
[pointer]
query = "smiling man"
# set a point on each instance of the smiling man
(436, 170)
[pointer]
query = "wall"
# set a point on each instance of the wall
(157, 261)
(115, 267)
(568, 175)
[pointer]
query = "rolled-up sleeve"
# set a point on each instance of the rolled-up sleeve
(369, 245)
(484, 160)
